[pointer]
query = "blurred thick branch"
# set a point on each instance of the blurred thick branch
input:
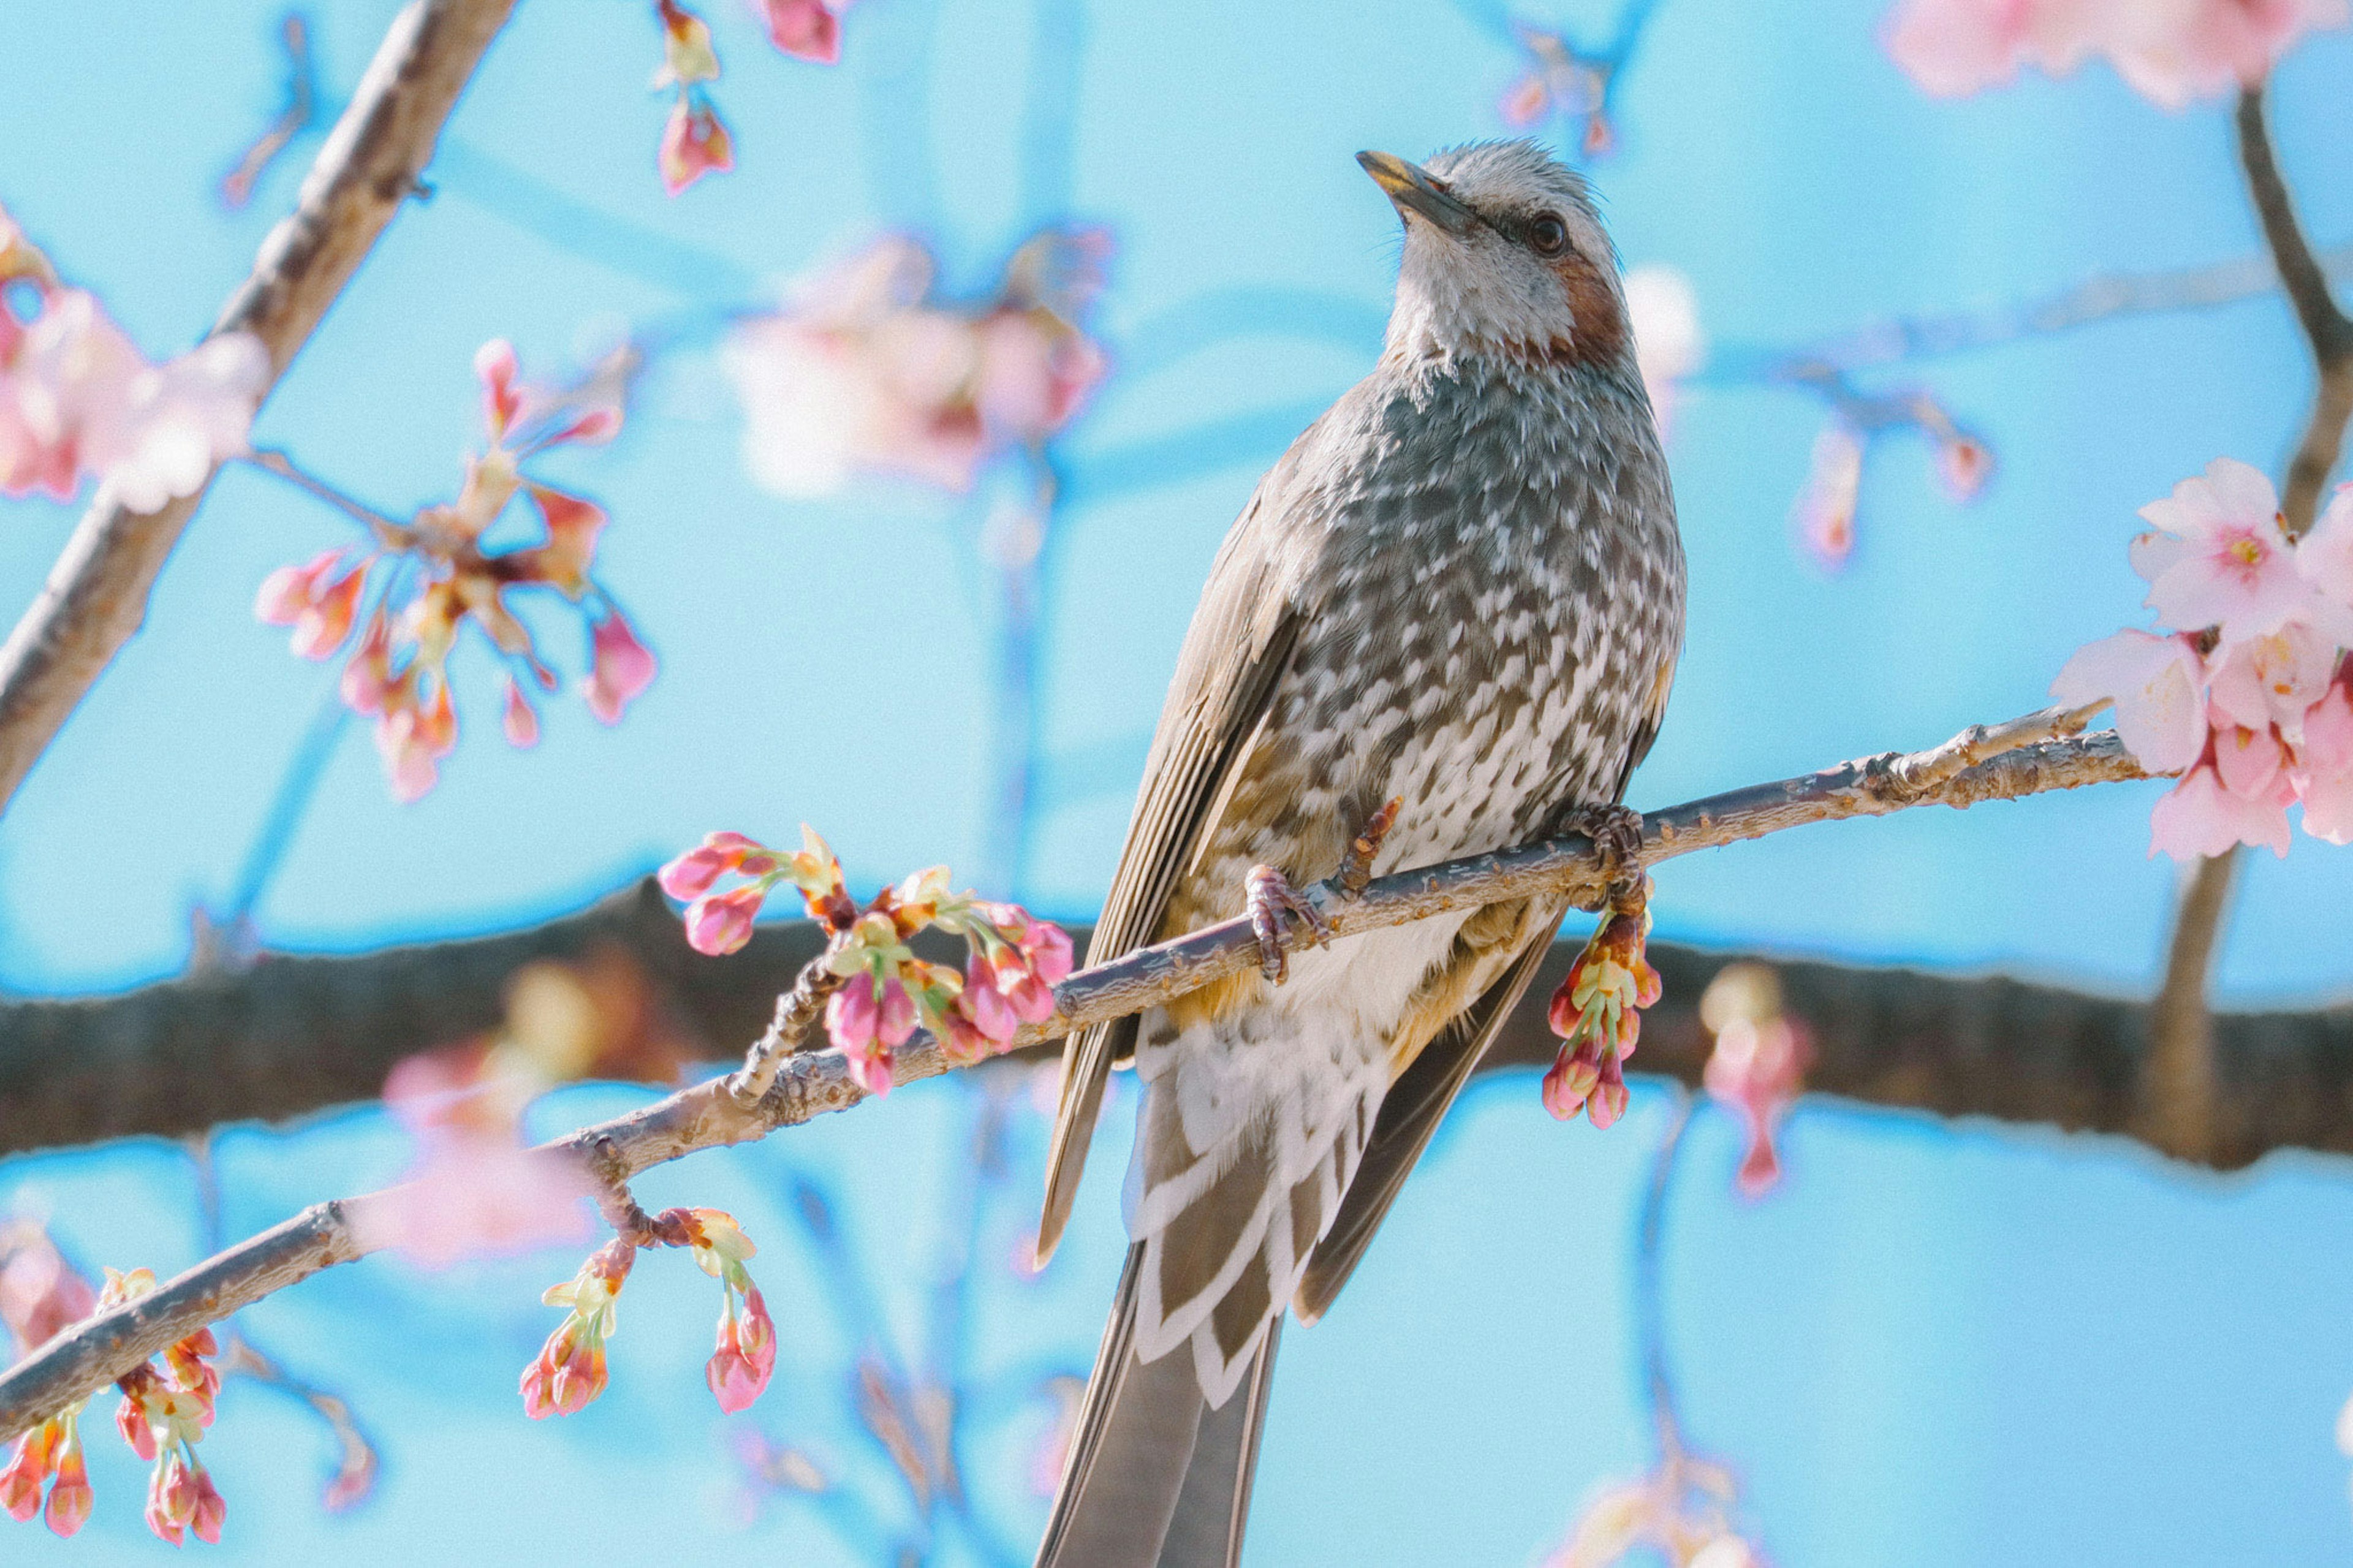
(1959, 773)
(96, 596)
(2181, 1090)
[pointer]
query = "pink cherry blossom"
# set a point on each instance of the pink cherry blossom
(2156, 684)
(2223, 559)
(2276, 678)
(521, 720)
(621, 670)
(2200, 817)
(2170, 51)
(806, 29)
(2324, 554)
(2324, 776)
(40, 1292)
(472, 1187)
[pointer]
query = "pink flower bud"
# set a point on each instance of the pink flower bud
(131, 1421)
(692, 874)
(522, 720)
(20, 1483)
(320, 629)
(720, 924)
(806, 29)
(851, 1014)
(694, 144)
(287, 592)
(1570, 1081)
(495, 363)
(984, 1005)
(621, 669)
(1608, 1102)
(896, 1019)
(211, 1509)
(70, 1498)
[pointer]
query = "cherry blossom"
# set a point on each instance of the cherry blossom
(1668, 342)
(1680, 1511)
(2158, 684)
(78, 400)
(866, 371)
(472, 1187)
(2170, 51)
(694, 144)
(40, 1292)
(2248, 702)
(417, 585)
(1558, 81)
(2221, 557)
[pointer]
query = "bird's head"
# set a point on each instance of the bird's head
(1504, 255)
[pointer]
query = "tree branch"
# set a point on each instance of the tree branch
(96, 594)
(708, 1116)
(2325, 327)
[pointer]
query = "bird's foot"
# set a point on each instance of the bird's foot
(1357, 866)
(1272, 898)
(1617, 835)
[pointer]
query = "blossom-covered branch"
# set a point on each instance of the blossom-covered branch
(709, 1115)
(97, 593)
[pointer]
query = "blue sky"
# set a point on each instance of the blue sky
(1939, 1345)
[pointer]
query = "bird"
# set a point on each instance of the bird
(1459, 596)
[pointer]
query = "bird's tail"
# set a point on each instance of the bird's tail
(1157, 1478)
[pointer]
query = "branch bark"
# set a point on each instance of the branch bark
(707, 1116)
(96, 596)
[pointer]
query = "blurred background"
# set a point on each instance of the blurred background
(1934, 1343)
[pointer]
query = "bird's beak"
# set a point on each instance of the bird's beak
(1412, 189)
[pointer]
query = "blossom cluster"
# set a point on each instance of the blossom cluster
(1013, 958)
(695, 141)
(1825, 510)
(1680, 1511)
(163, 1416)
(2170, 51)
(417, 582)
(78, 400)
(1597, 1012)
(2247, 698)
(571, 1368)
(1561, 81)
(868, 370)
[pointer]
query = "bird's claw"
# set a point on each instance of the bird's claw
(1617, 835)
(1272, 898)
(1357, 866)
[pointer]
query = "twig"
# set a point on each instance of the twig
(2325, 325)
(797, 1014)
(391, 534)
(1649, 1290)
(708, 1116)
(302, 107)
(96, 594)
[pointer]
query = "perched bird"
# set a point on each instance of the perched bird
(1462, 588)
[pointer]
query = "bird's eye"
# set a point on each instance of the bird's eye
(1548, 235)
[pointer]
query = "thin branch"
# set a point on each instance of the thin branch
(1649, 1287)
(2325, 327)
(392, 533)
(2179, 1077)
(301, 109)
(708, 1115)
(96, 594)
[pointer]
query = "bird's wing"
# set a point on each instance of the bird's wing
(1241, 644)
(1410, 1112)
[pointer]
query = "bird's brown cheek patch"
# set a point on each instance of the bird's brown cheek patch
(1600, 326)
